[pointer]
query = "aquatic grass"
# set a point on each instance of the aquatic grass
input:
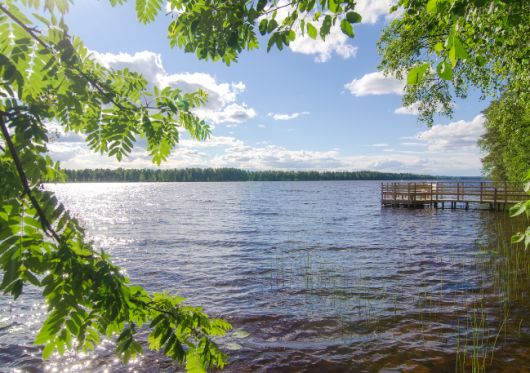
(467, 305)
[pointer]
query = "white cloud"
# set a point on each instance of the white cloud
(380, 145)
(372, 10)
(412, 144)
(221, 96)
(222, 141)
(376, 84)
(275, 157)
(388, 150)
(414, 109)
(456, 136)
(191, 153)
(231, 125)
(231, 113)
(261, 126)
(58, 135)
(336, 42)
(287, 116)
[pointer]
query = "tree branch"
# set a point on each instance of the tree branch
(46, 226)
(94, 83)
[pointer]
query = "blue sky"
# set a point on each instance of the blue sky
(313, 106)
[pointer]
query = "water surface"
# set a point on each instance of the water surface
(322, 277)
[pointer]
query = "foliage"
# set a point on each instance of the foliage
(228, 174)
(506, 140)
(518, 209)
(47, 75)
(443, 47)
(220, 30)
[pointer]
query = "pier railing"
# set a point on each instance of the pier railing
(434, 193)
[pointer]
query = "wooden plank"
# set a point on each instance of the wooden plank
(428, 192)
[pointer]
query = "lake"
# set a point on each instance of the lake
(321, 276)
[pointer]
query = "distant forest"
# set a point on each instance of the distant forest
(229, 174)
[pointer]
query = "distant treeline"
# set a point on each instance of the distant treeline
(229, 174)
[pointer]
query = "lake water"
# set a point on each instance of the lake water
(322, 277)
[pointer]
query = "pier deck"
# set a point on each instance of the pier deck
(455, 194)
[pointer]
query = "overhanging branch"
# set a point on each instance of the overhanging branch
(46, 226)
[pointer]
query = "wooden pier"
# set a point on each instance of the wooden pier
(496, 195)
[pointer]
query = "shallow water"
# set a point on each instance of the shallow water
(322, 277)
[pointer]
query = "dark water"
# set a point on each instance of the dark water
(322, 277)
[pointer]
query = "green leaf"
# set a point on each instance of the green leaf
(444, 70)
(311, 31)
(263, 26)
(452, 55)
(325, 29)
(261, 5)
(432, 6)
(271, 26)
(518, 209)
(48, 350)
(354, 17)
(156, 320)
(347, 28)
(460, 51)
(517, 238)
(126, 357)
(439, 47)
(480, 61)
(414, 76)
(234, 346)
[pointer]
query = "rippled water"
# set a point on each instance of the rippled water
(322, 277)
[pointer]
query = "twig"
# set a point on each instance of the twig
(32, 33)
(46, 226)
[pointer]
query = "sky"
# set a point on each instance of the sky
(313, 106)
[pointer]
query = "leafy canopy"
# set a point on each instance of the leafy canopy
(47, 75)
(443, 47)
(505, 142)
(220, 30)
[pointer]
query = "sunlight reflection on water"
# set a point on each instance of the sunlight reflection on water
(271, 256)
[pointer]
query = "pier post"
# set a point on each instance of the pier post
(467, 205)
(495, 199)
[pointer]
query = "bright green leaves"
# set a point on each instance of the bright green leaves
(311, 31)
(434, 6)
(457, 51)
(161, 130)
(210, 29)
(50, 81)
(347, 28)
(444, 70)
(147, 10)
(415, 75)
(518, 209)
(48, 350)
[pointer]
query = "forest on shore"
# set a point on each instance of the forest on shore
(233, 174)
